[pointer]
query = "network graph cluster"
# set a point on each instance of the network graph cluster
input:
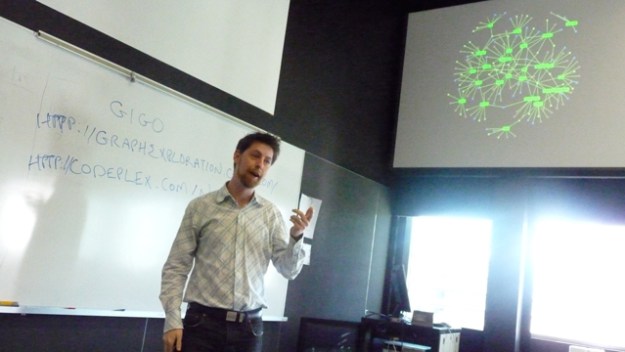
(520, 75)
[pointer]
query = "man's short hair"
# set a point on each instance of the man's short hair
(267, 138)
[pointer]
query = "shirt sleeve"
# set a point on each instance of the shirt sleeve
(288, 254)
(176, 270)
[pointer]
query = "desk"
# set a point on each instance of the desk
(438, 338)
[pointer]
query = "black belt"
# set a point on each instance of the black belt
(225, 314)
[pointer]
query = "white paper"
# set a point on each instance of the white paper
(307, 249)
(305, 202)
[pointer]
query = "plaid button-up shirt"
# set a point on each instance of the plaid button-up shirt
(229, 249)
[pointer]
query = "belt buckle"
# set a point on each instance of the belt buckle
(231, 316)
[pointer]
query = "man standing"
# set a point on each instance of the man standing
(228, 237)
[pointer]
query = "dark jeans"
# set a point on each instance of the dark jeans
(205, 334)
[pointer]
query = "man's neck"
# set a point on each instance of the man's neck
(241, 194)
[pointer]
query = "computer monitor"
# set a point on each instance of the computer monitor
(326, 335)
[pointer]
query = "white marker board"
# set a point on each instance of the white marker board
(96, 173)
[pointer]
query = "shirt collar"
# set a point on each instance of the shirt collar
(223, 194)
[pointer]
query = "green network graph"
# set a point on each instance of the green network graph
(520, 75)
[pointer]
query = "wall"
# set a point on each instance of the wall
(339, 82)
(348, 249)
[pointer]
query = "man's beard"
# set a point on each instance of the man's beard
(248, 179)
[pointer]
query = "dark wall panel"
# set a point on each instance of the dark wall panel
(449, 195)
(62, 333)
(57, 333)
(348, 249)
(340, 82)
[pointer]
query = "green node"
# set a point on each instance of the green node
(571, 23)
(544, 66)
(531, 98)
(556, 90)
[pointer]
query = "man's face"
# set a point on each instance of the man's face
(253, 164)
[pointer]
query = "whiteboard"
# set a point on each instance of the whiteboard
(234, 45)
(96, 173)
